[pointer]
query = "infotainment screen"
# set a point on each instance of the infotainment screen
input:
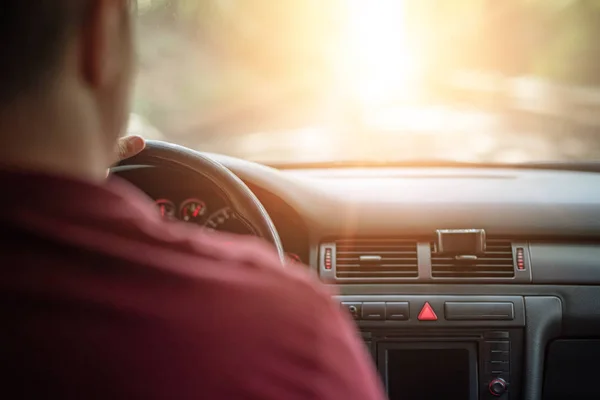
(430, 371)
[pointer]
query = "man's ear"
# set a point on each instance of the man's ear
(101, 44)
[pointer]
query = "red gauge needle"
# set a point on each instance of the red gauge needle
(162, 211)
(197, 211)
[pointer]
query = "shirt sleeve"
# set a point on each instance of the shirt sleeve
(345, 368)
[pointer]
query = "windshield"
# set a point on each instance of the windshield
(295, 81)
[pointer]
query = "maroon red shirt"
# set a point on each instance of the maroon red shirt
(101, 298)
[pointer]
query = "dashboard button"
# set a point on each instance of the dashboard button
(498, 387)
(427, 313)
(353, 308)
(496, 335)
(497, 367)
(397, 311)
(498, 346)
(373, 311)
(476, 311)
(497, 355)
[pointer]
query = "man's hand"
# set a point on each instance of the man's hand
(130, 146)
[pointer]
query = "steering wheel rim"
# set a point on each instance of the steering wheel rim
(242, 199)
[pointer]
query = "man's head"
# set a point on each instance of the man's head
(68, 66)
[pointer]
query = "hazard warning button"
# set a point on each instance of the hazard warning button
(427, 313)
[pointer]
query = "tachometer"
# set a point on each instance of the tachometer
(166, 208)
(192, 210)
(226, 220)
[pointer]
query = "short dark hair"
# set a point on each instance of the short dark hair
(33, 35)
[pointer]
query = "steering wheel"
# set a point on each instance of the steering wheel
(241, 198)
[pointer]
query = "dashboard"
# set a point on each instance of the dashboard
(521, 320)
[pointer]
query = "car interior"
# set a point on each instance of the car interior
(465, 283)
(435, 162)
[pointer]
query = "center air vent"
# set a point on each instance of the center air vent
(376, 258)
(497, 262)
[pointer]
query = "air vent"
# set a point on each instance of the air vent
(497, 262)
(376, 258)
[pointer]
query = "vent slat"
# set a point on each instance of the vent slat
(389, 249)
(507, 262)
(451, 268)
(498, 262)
(388, 259)
(372, 275)
(495, 253)
(383, 267)
(375, 246)
(489, 274)
(504, 260)
(381, 253)
(398, 258)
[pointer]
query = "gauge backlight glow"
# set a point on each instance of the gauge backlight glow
(192, 210)
(166, 208)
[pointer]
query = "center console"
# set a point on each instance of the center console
(450, 347)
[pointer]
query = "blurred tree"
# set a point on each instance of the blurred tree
(226, 55)
(556, 39)
(570, 52)
(275, 38)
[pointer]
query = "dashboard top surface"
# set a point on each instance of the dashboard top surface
(417, 201)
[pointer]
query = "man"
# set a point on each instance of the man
(101, 298)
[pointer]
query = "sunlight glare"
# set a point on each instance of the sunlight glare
(378, 65)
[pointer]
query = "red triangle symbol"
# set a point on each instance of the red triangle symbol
(427, 313)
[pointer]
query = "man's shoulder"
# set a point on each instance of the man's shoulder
(255, 264)
(237, 284)
(235, 267)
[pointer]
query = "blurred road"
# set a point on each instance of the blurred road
(418, 133)
(518, 120)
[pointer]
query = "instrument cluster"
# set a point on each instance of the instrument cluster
(187, 198)
(197, 211)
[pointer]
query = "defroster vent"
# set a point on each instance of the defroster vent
(498, 262)
(376, 258)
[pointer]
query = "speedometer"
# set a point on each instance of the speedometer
(166, 208)
(192, 210)
(226, 220)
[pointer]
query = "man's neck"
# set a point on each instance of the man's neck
(50, 161)
(53, 139)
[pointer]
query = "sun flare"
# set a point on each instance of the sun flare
(378, 63)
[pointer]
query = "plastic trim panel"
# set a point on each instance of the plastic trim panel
(565, 263)
(544, 323)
